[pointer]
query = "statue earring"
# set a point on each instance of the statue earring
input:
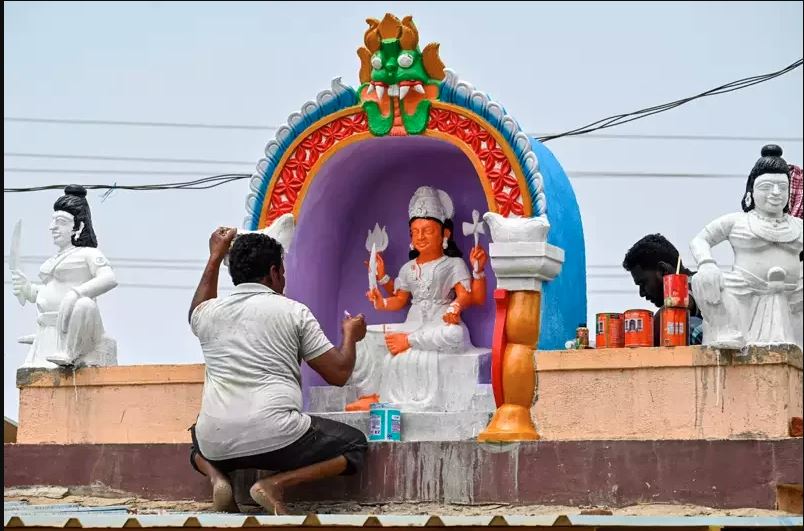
(444, 243)
(748, 200)
(77, 233)
(411, 246)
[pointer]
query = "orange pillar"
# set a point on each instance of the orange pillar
(512, 421)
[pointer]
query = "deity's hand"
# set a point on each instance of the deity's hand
(220, 241)
(710, 278)
(375, 297)
(478, 256)
(453, 315)
(354, 327)
(397, 343)
(380, 266)
(20, 285)
(66, 310)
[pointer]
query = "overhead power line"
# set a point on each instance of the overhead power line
(224, 289)
(217, 180)
(132, 123)
(618, 136)
(603, 123)
(619, 119)
(125, 159)
(198, 184)
(212, 182)
(199, 262)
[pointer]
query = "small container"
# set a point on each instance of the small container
(675, 327)
(609, 330)
(676, 291)
(582, 336)
(385, 423)
(638, 328)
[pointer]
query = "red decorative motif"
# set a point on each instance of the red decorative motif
(499, 172)
(297, 166)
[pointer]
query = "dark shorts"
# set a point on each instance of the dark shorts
(326, 439)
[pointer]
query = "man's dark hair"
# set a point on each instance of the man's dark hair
(649, 251)
(252, 256)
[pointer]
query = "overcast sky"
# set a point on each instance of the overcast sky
(554, 66)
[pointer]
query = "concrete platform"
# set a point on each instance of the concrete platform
(716, 473)
(684, 393)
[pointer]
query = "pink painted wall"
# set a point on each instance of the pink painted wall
(656, 393)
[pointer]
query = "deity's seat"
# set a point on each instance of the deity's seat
(459, 409)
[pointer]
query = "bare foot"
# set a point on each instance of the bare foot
(269, 495)
(222, 496)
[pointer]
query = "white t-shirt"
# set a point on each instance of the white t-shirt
(253, 342)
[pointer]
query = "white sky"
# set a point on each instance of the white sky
(554, 66)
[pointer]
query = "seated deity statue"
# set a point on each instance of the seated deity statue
(69, 327)
(399, 363)
(759, 301)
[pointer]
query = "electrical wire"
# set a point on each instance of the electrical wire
(619, 119)
(217, 180)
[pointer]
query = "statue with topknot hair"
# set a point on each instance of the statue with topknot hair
(69, 329)
(759, 301)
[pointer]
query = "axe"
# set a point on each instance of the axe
(474, 228)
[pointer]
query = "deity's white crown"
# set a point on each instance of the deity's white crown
(429, 202)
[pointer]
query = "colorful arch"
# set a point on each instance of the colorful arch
(500, 174)
(519, 176)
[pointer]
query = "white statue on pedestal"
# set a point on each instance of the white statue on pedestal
(760, 300)
(69, 326)
(399, 363)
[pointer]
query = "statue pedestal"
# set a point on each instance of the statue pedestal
(642, 393)
(464, 397)
(668, 393)
(627, 425)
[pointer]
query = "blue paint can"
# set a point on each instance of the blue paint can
(385, 423)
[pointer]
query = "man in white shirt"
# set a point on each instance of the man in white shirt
(253, 342)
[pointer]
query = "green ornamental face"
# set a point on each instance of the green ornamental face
(390, 64)
(395, 73)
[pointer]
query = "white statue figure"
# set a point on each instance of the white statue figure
(69, 327)
(438, 285)
(760, 300)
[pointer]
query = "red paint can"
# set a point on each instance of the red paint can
(676, 291)
(638, 328)
(609, 330)
(675, 327)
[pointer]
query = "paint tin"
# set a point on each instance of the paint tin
(676, 291)
(385, 423)
(638, 328)
(609, 330)
(675, 327)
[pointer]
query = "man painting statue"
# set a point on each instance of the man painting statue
(760, 300)
(69, 327)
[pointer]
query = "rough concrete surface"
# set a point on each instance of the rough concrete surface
(100, 496)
